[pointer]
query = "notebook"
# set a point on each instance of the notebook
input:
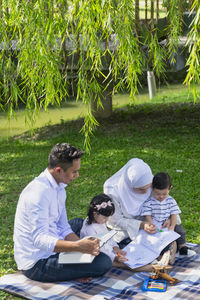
(75, 257)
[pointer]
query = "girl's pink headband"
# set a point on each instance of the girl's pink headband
(103, 205)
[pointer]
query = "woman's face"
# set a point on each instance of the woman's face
(142, 189)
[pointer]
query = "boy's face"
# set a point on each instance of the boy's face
(160, 195)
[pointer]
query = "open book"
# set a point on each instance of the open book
(79, 257)
(147, 247)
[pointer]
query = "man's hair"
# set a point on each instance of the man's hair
(161, 181)
(62, 155)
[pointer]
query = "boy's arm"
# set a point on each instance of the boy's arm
(148, 218)
(173, 221)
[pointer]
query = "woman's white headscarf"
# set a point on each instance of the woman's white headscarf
(135, 174)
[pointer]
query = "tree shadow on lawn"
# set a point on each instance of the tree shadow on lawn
(141, 116)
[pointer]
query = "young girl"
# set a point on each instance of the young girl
(99, 211)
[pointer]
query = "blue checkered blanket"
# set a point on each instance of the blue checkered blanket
(114, 285)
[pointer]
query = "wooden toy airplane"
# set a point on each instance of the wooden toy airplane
(160, 269)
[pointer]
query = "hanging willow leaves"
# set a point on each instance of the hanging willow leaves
(46, 42)
(193, 62)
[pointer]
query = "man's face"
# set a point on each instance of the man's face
(70, 174)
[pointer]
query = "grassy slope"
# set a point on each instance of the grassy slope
(166, 136)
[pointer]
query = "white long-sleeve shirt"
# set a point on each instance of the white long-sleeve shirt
(40, 220)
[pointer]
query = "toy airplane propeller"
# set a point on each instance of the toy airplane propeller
(160, 269)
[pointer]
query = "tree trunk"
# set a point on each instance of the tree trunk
(152, 15)
(106, 99)
(157, 10)
(146, 10)
(137, 15)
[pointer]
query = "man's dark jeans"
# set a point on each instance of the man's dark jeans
(49, 270)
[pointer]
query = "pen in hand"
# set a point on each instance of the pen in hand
(123, 258)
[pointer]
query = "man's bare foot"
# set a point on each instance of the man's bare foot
(84, 280)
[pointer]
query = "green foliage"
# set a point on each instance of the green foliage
(193, 62)
(35, 54)
(174, 27)
(156, 54)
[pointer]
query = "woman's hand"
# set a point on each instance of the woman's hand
(150, 228)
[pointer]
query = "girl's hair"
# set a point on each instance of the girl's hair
(161, 181)
(101, 204)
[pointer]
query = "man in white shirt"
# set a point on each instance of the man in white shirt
(41, 228)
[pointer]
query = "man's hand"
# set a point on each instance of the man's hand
(72, 237)
(89, 245)
(72, 242)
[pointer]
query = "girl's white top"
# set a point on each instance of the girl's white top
(98, 230)
(128, 204)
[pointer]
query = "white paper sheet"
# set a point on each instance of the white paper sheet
(147, 247)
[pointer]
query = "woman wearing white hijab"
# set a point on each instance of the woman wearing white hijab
(129, 188)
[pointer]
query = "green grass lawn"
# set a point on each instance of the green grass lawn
(165, 133)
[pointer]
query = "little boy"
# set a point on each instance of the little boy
(162, 210)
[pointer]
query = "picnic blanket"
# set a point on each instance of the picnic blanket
(115, 284)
